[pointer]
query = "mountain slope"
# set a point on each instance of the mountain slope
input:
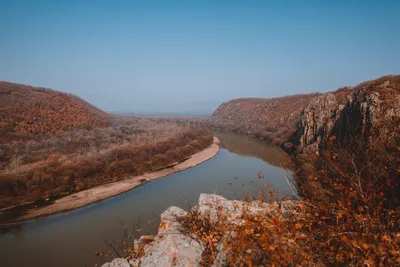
(352, 111)
(273, 118)
(40, 111)
(349, 137)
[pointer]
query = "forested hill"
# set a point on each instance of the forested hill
(27, 110)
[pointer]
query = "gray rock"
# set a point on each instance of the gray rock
(364, 110)
(168, 218)
(231, 211)
(222, 257)
(315, 117)
(174, 249)
(118, 262)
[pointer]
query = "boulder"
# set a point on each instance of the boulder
(174, 249)
(168, 218)
(118, 262)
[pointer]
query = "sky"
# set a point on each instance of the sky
(190, 56)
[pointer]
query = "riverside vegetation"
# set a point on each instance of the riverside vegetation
(53, 144)
(347, 148)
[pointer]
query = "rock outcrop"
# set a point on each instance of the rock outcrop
(171, 247)
(370, 106)
(316, 119)
(302, 123)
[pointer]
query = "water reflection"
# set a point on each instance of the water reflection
(73, 238)
(14, 229)
(251, 147)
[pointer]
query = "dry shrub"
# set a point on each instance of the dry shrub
(349, 214)
(203, 229)
(305, 236)
(188, 149)
(196, 144)
(173, 155)
(59, 173)
(144, 167)
(122, 166)
(159, 160)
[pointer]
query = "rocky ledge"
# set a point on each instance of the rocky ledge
(171, 247)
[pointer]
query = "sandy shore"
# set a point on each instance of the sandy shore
(101, 192)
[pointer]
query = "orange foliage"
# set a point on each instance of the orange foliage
(39, 111)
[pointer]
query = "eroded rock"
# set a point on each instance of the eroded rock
(173, 249)
(170, 247)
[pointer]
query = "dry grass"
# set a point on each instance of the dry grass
(312, 234)
(61, 164)
(349, 214)
(82, 142)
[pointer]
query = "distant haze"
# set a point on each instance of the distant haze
(189, 56)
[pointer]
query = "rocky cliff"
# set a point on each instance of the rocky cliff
(174, 246)
(351, 134)
(304, 122)
(370, 106)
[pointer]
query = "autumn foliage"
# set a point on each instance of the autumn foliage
(348, 215)
(272, 119)
(27, 110)
(53, 144)
(349, 208)
(39, 170)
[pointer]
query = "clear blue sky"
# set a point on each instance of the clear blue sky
(189, 56)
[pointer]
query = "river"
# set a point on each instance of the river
(72, 238)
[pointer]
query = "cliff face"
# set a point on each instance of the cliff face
(352, 133)
(371, 109)
(305, 122)
(40, 111)
(316, 121)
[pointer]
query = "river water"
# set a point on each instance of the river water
(73, 238)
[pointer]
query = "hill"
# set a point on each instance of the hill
(298, 120)
(53, 144)
(274, 118)
(27, 111)
(349, 137)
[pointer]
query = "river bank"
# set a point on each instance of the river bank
(99, 193)
(230, 173)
